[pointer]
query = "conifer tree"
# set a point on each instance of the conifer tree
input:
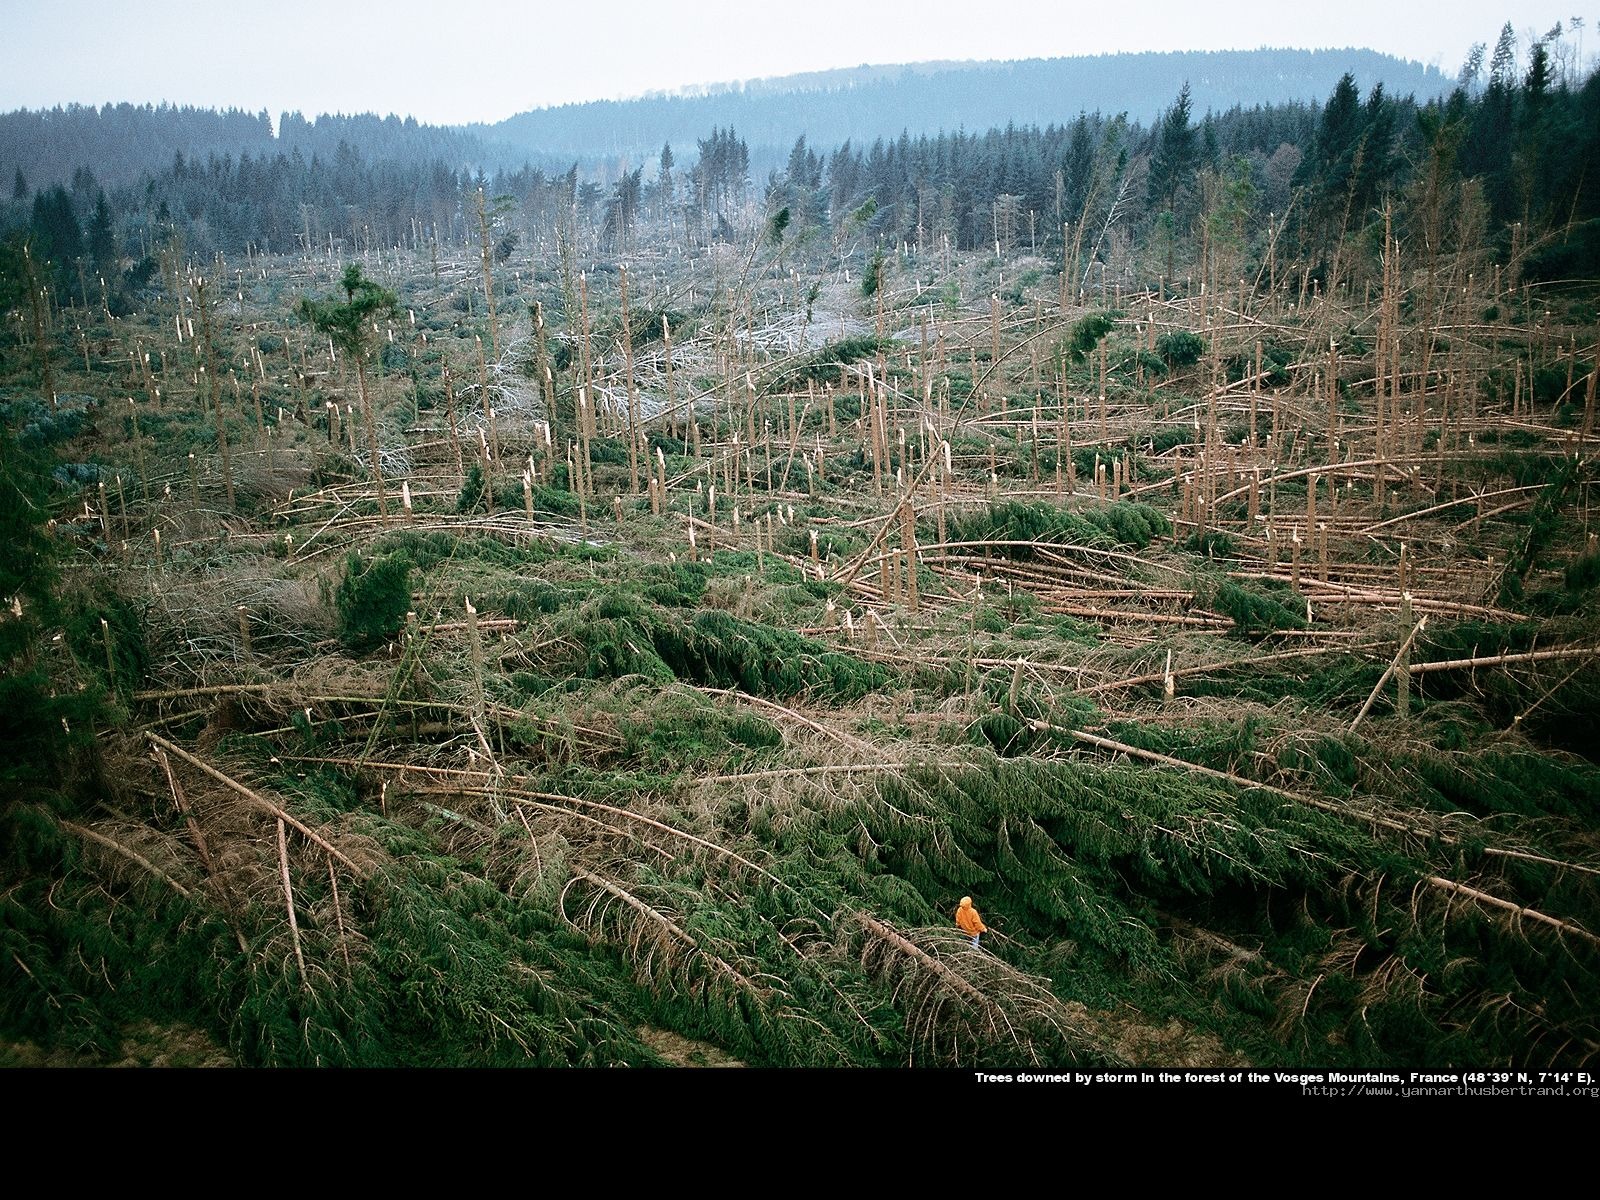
(102, 238)
(350, 326)
(1172, 169)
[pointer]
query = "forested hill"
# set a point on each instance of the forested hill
(119, 143)
(863, 103)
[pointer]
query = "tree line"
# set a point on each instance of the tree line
(860, 103)
(1499, 161)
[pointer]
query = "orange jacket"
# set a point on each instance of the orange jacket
(967, 918)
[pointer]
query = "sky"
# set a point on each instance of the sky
(460, 61)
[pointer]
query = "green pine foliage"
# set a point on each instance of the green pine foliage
(872, 274)
(1259, 607)
(1122, 524)
(825, 365)
(47, 742)
(1543, 524)
(130, 655)
(350, 324)
(1276, 360)
(1180, 348)
(473, 496)
(1213, 543)
(372, 600)
(683, 731)
(1583, 574)
(622, 635)
(1087, 334)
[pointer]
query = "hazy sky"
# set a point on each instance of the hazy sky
(451, 61)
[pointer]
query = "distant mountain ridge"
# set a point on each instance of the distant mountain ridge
(824, 80)
(117, 144)
(867, 102)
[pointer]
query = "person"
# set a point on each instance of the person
(968, 920)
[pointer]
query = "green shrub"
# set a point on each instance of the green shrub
(1211, 544)
(125, 627)
(608, 452)
(872, 277)
(1583, 573)
(1003, 733)
(1153, 364)
(1166, 438)
(372, 600)
(473, 491)
(1086, 335)
(1275, 363)
(1180, 348)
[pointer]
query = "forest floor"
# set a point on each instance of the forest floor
(1235, 652)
